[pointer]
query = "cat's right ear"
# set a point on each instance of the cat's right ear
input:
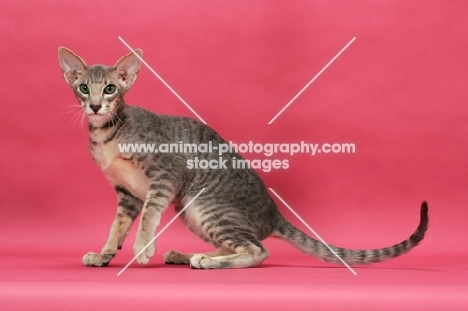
(72, 65)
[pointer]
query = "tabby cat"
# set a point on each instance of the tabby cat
(235, 212)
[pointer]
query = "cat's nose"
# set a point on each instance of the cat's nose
(95, 108)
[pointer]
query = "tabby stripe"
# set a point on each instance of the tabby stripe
(125, 192)
(110, 123)
(158, 186)
(212, 215)
(362, 256)
(111, 137)
(398, 250)
(155, 205)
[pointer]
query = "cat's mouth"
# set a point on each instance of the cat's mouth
(96, 118)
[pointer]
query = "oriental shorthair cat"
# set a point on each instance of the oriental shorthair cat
(234, 213)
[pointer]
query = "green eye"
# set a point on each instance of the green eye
(84, 89)
(110, 89)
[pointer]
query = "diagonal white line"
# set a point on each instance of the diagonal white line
(162, 80)
(313, 231)
(160, 232)
(313, 79)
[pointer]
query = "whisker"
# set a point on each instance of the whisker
(116, 116)
(64, 113)
(61, 114)
(81, 121)
(76, 108)
(113, 114)
(76, 117)
(111, 118)
(72, 118)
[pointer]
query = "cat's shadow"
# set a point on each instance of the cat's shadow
(283, 265)
(301, 266)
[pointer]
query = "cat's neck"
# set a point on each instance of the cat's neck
(105, 130)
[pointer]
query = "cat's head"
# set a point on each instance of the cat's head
(99, 88)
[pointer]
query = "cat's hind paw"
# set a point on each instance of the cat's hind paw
(96, 260)
(201, 261)
(175, 258)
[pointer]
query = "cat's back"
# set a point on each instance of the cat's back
(170, 129)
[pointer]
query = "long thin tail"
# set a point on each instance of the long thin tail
(306, 244)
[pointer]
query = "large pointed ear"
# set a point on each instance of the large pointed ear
(127, 68)
(72, 65)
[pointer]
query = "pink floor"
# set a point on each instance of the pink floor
(46, 281)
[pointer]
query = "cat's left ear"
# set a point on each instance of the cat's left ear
(127, 68)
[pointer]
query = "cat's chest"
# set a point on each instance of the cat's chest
(104, 154)
(119, 171)
(124, 173)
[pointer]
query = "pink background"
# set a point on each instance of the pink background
(398, 92)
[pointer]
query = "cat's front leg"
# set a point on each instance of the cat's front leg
(127, 210)
(158, 199)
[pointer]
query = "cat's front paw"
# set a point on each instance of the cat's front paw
(146, 253)
(96, 260)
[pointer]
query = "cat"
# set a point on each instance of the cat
(234, 213)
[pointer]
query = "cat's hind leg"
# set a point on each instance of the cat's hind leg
(249, 254)
(128, 209)
(177, 258)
